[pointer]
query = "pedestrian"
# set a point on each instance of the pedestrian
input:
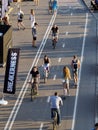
(20, 19)
(55, 102)
(32, 18)
(36, 2)
(75, 64)
(34, 34)
(6, 19)
(67, 78)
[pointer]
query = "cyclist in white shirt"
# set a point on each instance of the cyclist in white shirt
(55, 102)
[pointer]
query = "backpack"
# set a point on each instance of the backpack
(75, 64)
(21, 15)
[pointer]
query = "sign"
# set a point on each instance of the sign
(11, 71)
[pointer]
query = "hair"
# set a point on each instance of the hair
(74, 56)
(55, 93)
(35, 23)
(32, 11)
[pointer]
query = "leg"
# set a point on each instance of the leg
(58, 116)
(22, 25)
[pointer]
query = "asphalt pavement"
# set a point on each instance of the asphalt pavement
(26, 117)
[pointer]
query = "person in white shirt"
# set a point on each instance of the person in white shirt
(32, 18)
(55, 102)
(20, 19)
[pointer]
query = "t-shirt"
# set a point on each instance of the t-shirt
(34, 74)
(54, 30)
(54, 101)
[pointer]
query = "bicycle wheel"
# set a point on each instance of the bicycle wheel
(32, 94)
(54, 120)
(54, 44)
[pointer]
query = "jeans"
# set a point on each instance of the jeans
(58, 114)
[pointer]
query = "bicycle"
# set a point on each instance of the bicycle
(54, 41)
(54, 120)
(34, 88)
(46, 74)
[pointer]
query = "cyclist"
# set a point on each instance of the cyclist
(67, 77)
(75, 67)
(55, 5)
(55, 32)
(46, 62)
(55, 102)
(35, 76)
(95, 127)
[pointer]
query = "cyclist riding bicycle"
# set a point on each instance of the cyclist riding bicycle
(55, 32)
(67, 77)
(35, 76)
(55, 6)
(95, 127)
(46, 63)
(55, 102)
(75, 67)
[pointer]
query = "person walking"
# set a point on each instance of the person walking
(20, 19)
(36, 2)
(34, 34)
(75, 64)
(55, 102)
(32, 18)
(67, 78)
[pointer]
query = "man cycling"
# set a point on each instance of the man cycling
(75, 67)
(95, 127)
(35, 76)
(55, 32)
(55, 102)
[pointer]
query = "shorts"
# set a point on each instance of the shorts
(19, 20)
(34, 38)
(75, 72)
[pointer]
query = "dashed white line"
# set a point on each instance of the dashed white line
(54, 78)
(69, 23)
(59, 60)
(41, 126)
(66, 33)
(63, 45)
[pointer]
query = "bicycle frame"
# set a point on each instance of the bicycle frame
(54, 41)
(54, 120)
(34, 87)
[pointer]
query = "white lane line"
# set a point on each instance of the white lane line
(59, 60)
(54, 78)
(63, 45)
(66, 33)
(19, 100)
(41, 126)
(69, 23)
(48, 99)
(77, 92)
(71, 14)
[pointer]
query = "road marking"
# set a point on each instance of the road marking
(69, 23)
(77, 92)
(41, 126)
(19, 100)
(66, 33)
(54, 78)
(59, 60)
(63, 45)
